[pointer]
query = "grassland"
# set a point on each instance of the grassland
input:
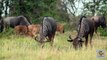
(14, 47)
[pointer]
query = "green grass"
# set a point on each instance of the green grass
(15, 47)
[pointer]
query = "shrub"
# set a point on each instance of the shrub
(102, 31)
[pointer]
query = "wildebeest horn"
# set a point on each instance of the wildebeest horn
(36, 39)
(70, 36)
(70, 39)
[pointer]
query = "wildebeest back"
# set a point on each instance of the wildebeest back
(99, 21)
(48, 26)
(14, 21)
(86, 27)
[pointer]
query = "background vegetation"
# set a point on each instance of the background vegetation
(65, 11)
(15, 47)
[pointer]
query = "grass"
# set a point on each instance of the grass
(14, 47)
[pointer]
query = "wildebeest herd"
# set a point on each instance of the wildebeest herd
(45, 32)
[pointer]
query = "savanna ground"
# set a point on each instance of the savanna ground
(14, 47)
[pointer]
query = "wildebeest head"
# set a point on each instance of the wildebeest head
(23, 20)
(103, 22)
(40, 38)
(28, 19)
(77, 42)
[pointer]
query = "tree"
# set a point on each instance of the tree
(94, 7)
(1, 7)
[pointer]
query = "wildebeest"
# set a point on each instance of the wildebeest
(33, 30)
(1, 24)
(99, 21)
(47, 29)
(21, 29)
(86, 28)
(60, 28)
(14, 21)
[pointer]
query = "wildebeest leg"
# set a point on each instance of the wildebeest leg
(86, 42)
(5, 27)
(51, 38)
(91, 36)
(42, 44)
(96, 31)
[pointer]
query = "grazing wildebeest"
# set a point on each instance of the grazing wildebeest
(99, 21)
(33, 30)
(21, 29)
(1, 24)
(47, 29)
(86, 28)
(60, 28)
(14, 21)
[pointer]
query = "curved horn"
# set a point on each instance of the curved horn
(70, 39)
(70, 36)
(37, 39)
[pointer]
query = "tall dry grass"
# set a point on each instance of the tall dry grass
(14, 47)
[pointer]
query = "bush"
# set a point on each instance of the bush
(102, 31)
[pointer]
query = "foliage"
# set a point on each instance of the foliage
(103, 32)
(34, 9)
(95, 7)
(14, 47)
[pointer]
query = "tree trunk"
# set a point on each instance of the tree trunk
(21, 7)
(7, 4)
(1, 7)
